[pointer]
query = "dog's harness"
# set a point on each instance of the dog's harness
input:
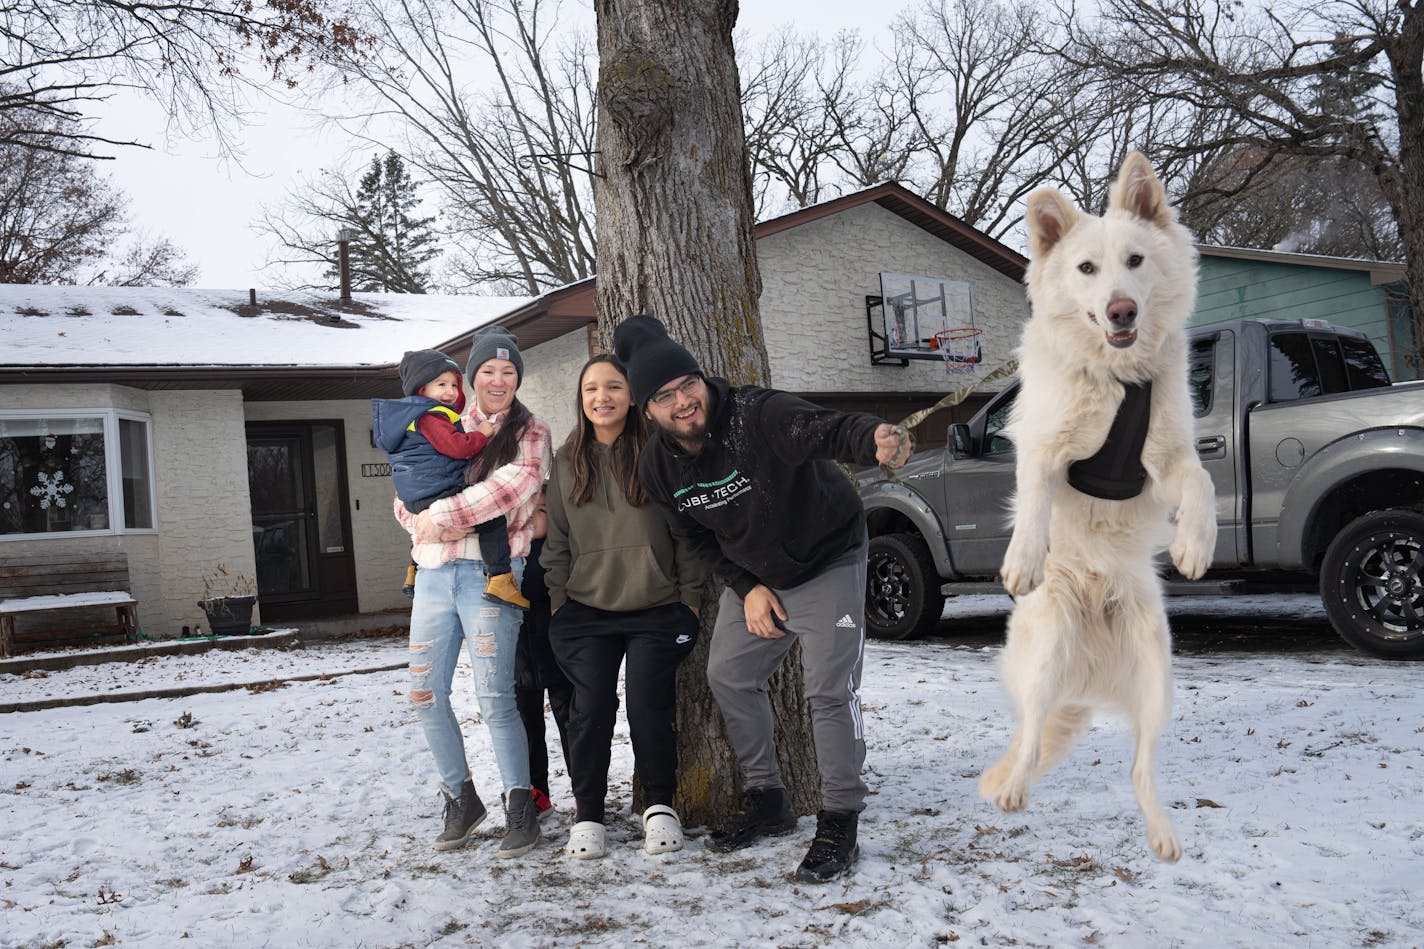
(1115, 472)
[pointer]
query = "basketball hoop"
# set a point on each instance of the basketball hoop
(960, 348)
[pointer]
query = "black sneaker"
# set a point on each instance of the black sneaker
(834, 851)
(462, 815)
(766, 812)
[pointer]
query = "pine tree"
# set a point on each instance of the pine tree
(391, 247)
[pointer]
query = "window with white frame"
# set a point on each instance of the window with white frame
(75, 472)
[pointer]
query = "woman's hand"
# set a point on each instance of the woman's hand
(429, 532)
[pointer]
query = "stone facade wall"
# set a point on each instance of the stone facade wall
(204, 514)
(552, 374)
(815, 278)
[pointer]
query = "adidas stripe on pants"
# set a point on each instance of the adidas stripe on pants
(827, 615)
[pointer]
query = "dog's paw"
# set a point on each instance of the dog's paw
(1164, 841)
(1022, 571)
(1192, 549)
(1013, 796)
(993, 779)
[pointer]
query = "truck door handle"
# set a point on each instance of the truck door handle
(1212, 446)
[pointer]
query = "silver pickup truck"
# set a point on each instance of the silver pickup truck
(1318, 463)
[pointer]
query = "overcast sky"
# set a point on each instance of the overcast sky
(183, 190)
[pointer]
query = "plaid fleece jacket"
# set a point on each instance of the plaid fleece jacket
(511, 490)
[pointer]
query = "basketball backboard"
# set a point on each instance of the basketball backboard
(915, 308)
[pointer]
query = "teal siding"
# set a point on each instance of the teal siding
(1231, 289)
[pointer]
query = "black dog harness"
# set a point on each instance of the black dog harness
(1115, 472)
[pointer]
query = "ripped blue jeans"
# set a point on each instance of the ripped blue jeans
(449, 611)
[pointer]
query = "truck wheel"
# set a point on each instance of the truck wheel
(1372, 582)
(902, 597)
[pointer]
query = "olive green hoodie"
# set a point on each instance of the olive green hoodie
(608, 554)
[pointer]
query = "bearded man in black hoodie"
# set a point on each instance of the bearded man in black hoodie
(749, 480)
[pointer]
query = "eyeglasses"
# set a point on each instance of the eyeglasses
(686, 387)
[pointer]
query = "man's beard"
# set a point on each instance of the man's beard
(690, 440)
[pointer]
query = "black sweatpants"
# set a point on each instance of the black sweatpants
(536, 671)
(590, 646)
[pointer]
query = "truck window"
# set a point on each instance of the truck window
(1363, 367)
(1304, 365)
(995, 441)
(1292, 370)
(1200, 364)
(1330, 364)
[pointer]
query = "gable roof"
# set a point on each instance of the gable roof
(919, 212)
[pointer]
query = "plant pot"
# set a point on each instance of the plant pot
(229, 615)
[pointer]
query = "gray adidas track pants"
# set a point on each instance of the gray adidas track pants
(827, 615)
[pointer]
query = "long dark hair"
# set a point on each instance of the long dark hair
(624, 450)
(503, 447)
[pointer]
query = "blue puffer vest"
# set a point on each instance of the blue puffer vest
(418, 470)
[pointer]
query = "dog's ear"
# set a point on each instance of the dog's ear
(1050, 217)
(1139, 193)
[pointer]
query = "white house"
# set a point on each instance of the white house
(186, 430)
(191, 429)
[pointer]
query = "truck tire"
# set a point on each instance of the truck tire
(1372, 582)
(902, 597)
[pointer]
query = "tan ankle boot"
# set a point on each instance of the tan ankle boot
(503, 589)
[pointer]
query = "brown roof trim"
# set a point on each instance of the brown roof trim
(202, 374)
(257, 383)
(573, 303)
(902, 201)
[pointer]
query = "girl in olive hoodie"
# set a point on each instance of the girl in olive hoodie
(619, 587)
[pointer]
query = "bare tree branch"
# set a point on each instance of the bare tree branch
(58, 57)
(1325, 89)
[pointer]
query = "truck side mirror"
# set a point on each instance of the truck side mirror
(961, 443)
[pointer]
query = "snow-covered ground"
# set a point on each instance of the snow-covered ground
(302, 816)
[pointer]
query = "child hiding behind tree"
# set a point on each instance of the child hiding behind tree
(429, 452)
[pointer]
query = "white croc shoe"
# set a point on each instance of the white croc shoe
(662, 830)
(586, 841)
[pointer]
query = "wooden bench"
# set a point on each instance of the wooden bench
(47, 583)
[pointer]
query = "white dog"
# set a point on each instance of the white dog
(1111, 297)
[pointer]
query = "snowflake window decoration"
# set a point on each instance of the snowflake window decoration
(51, 489)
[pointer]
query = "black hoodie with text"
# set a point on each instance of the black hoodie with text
(764, 501)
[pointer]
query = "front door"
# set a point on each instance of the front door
(296, 473)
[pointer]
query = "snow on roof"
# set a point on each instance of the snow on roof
(176, 326)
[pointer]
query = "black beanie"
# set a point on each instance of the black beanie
(652, 358)
(420, 366)
(494, 342)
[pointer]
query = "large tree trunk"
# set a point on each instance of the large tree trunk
(675, 241)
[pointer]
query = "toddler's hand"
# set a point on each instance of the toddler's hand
(485, 429)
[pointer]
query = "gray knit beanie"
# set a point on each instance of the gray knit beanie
(420, 366)
(652, 356)
(494, 342)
